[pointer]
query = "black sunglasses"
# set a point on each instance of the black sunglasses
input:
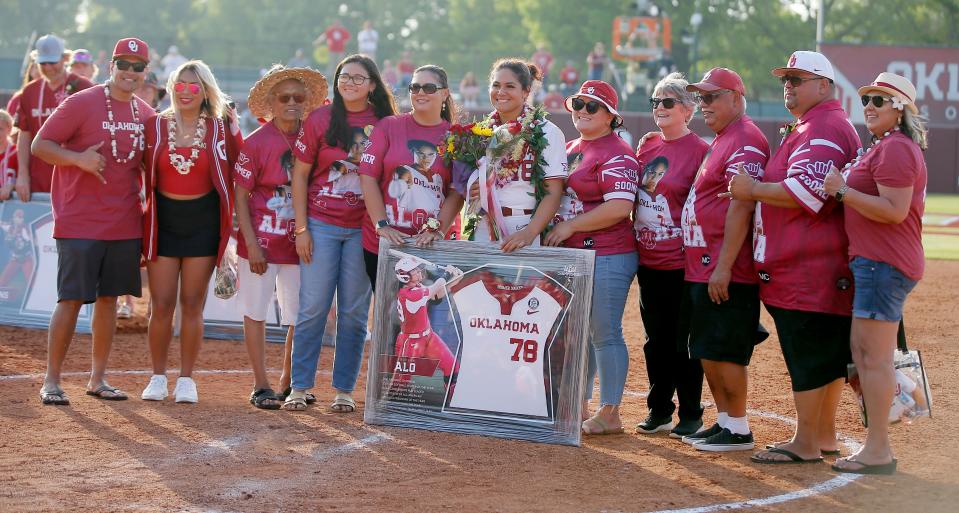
(426, 88)
(707, 99)
(876, 100)
(591, 106)
(796, 81)
(123, 65)
(668, 103)
(285, 98)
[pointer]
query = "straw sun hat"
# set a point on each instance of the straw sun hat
(314, 81)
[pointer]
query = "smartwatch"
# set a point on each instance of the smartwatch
(841, 192)
(382, 223)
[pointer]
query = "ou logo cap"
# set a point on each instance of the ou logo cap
(132, 47)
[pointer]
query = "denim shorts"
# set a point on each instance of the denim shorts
(881, 290)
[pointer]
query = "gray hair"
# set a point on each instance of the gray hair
(675, 85)
(914, 125)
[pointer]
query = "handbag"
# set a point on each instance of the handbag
(913, 398)
(225, 281)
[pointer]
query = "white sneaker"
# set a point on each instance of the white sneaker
(156, 390)
(185, 390)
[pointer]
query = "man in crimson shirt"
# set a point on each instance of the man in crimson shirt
(95, 140)
(569, 78)
(800, 252)
(543, 59)
(336, 37)
(721, 288)
(37, 102)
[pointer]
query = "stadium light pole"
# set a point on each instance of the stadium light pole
(695, 21)
(820, 23)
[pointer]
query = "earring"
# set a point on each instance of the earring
(444, 106)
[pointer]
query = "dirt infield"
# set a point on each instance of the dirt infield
(224, 455)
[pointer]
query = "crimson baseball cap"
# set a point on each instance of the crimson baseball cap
(719, 78)
(599, 91)
(132, 47)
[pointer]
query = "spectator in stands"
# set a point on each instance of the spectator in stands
(96, 141)
(405, 67)
(298, 60)
(368, 39)
(171, 61)
(391, 77)
(334, 37)
(543, 59)
(150, 91)
(569, 79)
(192, 149)
(553, 101)
(597, 62)
(37, 102)
(469, 91)
(81, 63)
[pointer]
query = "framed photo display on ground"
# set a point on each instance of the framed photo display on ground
(468, 339)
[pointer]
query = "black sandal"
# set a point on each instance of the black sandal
(261, 396)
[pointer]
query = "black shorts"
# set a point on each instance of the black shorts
(88, 269)
(815, 346)
(726, 332)
(188, 228)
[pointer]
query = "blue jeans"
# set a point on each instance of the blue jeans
(607, 351)
(337, 267)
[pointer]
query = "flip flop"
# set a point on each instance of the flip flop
(886, 469)
(604, 429)
(793, 457)
(55, 397)
(343, 403)
(824, 452)
(108, 393)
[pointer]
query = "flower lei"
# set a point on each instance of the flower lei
(137, 135)
(181, 164)
(787, 129)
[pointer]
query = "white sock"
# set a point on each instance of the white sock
(723, 419)
(738, 425)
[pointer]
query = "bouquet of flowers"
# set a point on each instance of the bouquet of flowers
(463, 147)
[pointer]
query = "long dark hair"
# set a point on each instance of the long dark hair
(449, 107)
(339, 134)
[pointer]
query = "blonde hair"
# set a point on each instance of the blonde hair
(6, 118)
(215, 102)
(914, 125)
(675, 84)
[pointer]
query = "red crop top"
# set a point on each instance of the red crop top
(196, 182)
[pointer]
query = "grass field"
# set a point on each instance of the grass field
(940, 228)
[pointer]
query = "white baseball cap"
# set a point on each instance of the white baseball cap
(404, 267)
(813, 62)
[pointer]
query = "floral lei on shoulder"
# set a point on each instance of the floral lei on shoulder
(504, 145)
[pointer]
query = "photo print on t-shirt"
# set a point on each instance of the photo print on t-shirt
(282, 201)
(654, 219)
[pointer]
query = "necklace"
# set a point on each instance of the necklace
(179, 162)
(875, 142)
(137, 134)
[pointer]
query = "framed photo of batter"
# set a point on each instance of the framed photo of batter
(468, 339)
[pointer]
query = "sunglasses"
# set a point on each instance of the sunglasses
(876, 100)
(707, 99)
(592, 106)
(668, 103)
(123, 65)
(796, 81)
(180, 87)
(285, 98)
(426, 88)
(346, 78)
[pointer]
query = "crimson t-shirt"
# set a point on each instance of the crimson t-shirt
(414, 180)
(263, 167)
(667, 172)
(336, 38)
(569, 75)
(8, 165)
(602, 170)
(704, 213)
(83, 207)
(37, 103)
(895, 161)
(334, 193)
(800, 253)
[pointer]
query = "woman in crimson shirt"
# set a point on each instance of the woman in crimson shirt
(8, 156)
(329, 207)
(669, 160)
(884, 194)
(600, 193)
(190, 156)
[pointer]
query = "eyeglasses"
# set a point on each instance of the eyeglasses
(285, 98)
(426, 88)
(796, 81)
(707, 99)
(876, 100)
(668, 103)
(591, 106)
(346, 78)
(180, 87)
(123, 65)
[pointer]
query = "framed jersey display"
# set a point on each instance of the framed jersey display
(468, 339)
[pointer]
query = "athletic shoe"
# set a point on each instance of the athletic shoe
(686, 428)
(655, 424)
(699, 436)
(185, 391)
(156, 389)
(725, 441)
(124, 311)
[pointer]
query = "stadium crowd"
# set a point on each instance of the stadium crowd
(824, 234)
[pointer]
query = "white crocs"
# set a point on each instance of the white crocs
(185, 390)
(156, 390)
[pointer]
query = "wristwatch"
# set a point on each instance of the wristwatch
(841, 192)
(382, 223)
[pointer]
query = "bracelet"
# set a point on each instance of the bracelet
(842, 192)
(299, 230)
